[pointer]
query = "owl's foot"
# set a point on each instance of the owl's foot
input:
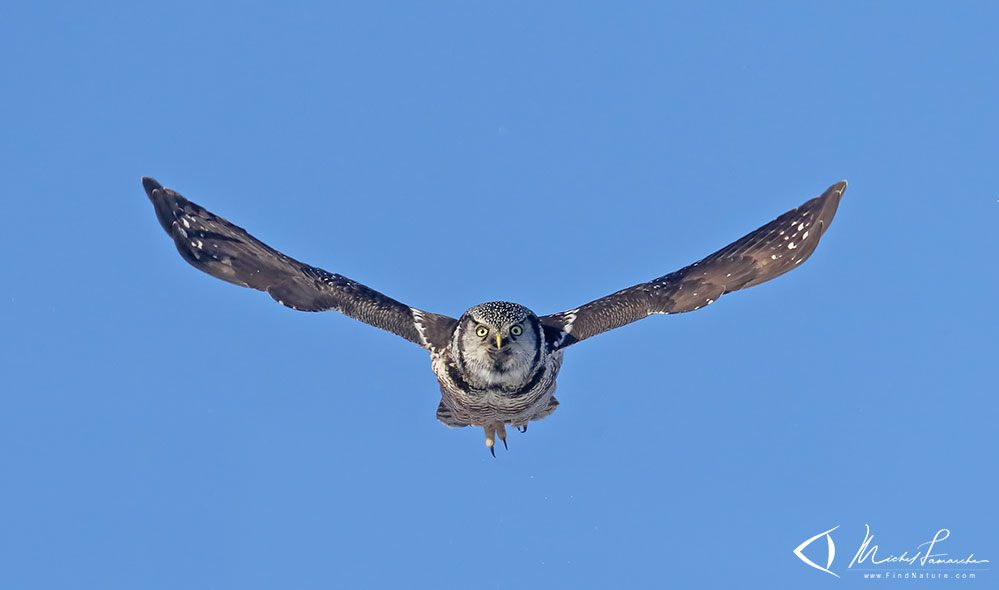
(492, 431)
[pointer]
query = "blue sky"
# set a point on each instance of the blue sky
(162, 429)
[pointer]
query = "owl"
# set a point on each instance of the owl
(497, 363)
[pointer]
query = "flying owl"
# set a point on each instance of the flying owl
(497, 363)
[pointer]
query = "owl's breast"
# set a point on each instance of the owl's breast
(466, 403)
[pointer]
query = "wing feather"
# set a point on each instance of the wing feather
(764, 254)
(226, 251)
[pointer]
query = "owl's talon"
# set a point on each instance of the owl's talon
(522, 429)
(490, 439)
(504, 444)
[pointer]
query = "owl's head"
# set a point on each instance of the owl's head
(498, 344)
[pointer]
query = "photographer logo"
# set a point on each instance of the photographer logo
(928, 560)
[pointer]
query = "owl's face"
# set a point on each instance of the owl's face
(497, 344)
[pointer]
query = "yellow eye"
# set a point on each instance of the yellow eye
(482, 331)
(516, 330)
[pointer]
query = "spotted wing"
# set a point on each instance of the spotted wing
(764, 254)
(228, 252)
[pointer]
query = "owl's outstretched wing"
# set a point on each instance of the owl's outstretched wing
(764, 254)
(228, 252)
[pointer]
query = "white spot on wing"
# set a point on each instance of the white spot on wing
(420, 328)
(570, 317)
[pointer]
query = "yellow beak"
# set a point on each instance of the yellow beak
(499, 341)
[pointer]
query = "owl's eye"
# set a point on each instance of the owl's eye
(516, 330)
(482, 331)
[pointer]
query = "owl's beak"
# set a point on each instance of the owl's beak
(499, 341)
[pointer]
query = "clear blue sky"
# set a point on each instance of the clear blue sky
(162, 429)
